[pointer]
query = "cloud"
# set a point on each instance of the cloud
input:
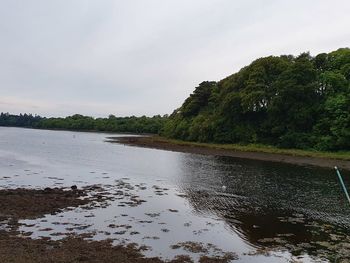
(18, 105)
(144, 57)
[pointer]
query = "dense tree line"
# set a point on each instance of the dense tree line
(286, 101)
(22, 120)
(79, 122)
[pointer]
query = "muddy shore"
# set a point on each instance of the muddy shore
(156, 143)
(17, 247)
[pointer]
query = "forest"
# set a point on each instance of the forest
(285, 101)
(85, 123)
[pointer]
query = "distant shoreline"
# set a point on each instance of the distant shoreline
(298, 157)
(72, 130)
(262, 153)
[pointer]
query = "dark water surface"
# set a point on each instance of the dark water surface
(269, 212)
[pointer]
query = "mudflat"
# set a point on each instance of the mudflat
(17, 247)
(163, 144)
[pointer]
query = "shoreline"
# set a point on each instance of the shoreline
(18, 246)
(156, 142)
(83, 131)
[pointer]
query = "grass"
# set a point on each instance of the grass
(345, 155)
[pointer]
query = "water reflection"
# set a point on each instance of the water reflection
(270, 205)
(265, 206)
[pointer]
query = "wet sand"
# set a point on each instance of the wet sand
(24, 203)
(157, 143)
(16, 204)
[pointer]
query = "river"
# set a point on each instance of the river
(260, 211)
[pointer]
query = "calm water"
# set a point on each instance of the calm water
(269, 212)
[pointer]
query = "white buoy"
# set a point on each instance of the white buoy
(224, 188)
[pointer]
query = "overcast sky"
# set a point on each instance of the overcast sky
(144, 57)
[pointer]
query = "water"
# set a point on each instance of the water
(269, 212)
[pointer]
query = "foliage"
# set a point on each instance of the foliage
(291, 102)
(79, 122)
(339, 155)
(22, 120)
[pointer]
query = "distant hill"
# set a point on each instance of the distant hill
(286, 101)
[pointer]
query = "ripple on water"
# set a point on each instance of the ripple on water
(160, 199)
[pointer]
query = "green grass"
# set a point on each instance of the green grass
(260, 148)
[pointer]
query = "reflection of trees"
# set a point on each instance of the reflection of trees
(269, 204)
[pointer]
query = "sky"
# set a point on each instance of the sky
(144, 57)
